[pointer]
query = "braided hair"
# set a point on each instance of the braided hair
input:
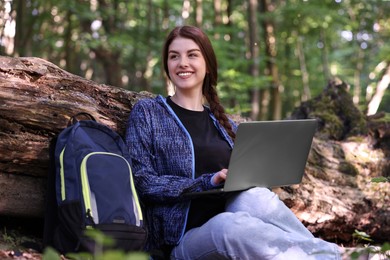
(209, 90)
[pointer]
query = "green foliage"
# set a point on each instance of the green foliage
(50, 254)
(7, 238)
(386, 249)
(360, 235)
(380, 179)
(12, 238)
(110, 255)
(383, 250)
(99, 254)
(348, 41)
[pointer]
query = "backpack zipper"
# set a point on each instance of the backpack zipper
(62, 175)
(86, 190)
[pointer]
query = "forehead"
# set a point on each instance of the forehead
(183, 44)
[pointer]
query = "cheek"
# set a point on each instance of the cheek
(171, 67)
(204, 65)
(206, 70)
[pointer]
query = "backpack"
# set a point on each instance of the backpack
(90, 186)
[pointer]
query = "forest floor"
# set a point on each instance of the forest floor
(21, 238)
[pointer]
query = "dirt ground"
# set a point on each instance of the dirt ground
(21, 238)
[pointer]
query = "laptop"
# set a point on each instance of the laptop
(268, 154)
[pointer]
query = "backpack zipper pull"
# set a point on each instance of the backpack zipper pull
(90, 218)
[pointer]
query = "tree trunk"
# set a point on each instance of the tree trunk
(324, 56)
(217, 13)
(199, 13)
(185, 11)
(254, 52)
(381, 87)
(272, 70)
(306, 95)
(357, 89)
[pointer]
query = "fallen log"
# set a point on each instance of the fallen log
(336, 196)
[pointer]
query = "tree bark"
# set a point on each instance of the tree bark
(337, 195)
(305, 75)
(217, 13)
(199, 13)
(267, 7)
(254, 56)
(381, 87)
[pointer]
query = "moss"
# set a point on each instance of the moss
(357, 138)
(330, 124)
(338, 152)
(382, 117)
(339, 118)
(348, 168)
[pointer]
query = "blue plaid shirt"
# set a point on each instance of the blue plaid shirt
(164, 168)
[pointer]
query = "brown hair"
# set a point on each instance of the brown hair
(211, 78)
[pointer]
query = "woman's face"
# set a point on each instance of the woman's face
(186, 64)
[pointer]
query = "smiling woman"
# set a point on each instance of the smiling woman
(187, 70)
(202, 43)
(37, 97)
(179, 145)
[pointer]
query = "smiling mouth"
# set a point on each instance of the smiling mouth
(184, 74)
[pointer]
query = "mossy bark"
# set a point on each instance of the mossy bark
(338, 117)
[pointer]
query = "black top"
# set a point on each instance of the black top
(212, 153)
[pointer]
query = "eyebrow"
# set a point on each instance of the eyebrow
(191, 50)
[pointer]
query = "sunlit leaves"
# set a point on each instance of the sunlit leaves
(332, 33)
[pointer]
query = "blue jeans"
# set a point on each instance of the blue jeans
(256, 225)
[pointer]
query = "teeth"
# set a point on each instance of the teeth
(184, 73)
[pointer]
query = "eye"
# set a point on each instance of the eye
(193, 54)
(172, 56)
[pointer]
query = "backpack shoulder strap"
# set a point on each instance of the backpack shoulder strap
(79, 116)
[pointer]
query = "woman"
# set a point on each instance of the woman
(179, 145)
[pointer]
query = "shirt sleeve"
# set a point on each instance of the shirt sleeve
(157, 182)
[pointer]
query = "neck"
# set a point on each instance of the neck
(190, 102)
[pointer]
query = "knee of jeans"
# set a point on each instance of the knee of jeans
(257, 194)
(233, 226)
(263, 192)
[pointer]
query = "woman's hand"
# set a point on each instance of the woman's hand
(220, 177)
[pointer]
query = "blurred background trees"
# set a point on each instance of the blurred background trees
(272, 54)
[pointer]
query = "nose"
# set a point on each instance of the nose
(183, 61)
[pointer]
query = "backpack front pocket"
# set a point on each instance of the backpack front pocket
(107, 197)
